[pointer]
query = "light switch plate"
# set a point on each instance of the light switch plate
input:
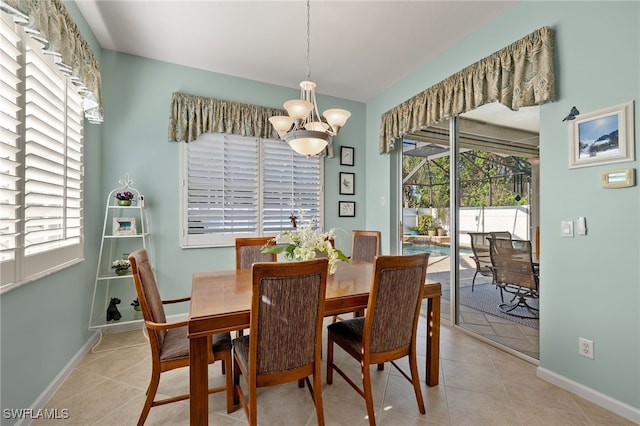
(566, 228)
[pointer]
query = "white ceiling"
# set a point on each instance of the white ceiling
(358, 48)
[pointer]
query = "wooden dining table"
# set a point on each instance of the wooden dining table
(221, 301)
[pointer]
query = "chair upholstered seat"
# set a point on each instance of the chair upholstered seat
(349, 332)
(176, 344)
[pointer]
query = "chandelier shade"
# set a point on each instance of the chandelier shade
(303, 129)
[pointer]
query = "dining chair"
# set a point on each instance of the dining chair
(169, 340)
(516, 274)
(365, 246)
(248, 251)
(285, 334)
(387, 332)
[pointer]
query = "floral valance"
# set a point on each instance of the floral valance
(192, 116)
(49, 22)
(518, 75)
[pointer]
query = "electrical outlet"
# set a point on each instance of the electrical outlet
(586, 347)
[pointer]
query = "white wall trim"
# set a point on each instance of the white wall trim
(604, 401)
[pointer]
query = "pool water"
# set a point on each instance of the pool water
(433, 249)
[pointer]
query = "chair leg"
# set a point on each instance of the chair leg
(473, 281)
(236, 382)
(253, 406)
(229, 379)
(368, 394)
(415, 380)
(329, 359)
(151, 394)
(317, 396)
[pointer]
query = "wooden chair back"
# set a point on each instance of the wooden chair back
(287, 311)
(148, 296)
(248, 251)
(394, 305)
(365, 245)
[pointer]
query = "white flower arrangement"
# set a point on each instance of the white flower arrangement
(304, 243)
(121, 264)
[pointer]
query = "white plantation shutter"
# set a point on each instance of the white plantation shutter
(236, 186)
(281, 196)
(10, 155)
(42, 222)
(221, 189)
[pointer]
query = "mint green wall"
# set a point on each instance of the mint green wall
(590, 286)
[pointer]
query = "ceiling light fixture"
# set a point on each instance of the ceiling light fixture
(303, 129)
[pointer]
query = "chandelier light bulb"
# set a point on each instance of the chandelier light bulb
(336, 117)
(298, 109)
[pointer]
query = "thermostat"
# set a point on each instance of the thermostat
(621, 178)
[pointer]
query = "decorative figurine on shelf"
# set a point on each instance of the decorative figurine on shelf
(135, 304)
(112, 311)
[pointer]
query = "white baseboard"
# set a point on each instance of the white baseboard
(604, 401)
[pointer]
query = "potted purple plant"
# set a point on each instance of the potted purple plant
(124, 198)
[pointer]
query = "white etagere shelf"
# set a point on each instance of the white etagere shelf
(125, 229)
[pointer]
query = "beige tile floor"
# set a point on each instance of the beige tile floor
(479, 385)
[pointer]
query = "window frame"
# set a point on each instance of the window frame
(59, 241)
(227, 239)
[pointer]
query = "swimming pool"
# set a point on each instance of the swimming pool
(433, 249)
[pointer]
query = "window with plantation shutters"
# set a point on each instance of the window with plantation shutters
(42, 158)
(291, 183)
(234, 186)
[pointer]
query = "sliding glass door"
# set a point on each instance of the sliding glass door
(471, 178)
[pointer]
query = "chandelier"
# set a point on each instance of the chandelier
(303, 129)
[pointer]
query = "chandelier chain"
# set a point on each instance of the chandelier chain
(308, 39)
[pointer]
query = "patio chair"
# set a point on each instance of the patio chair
(387, 332)
(481, 256)
(285, 336)
(168, 340)
(515, 273)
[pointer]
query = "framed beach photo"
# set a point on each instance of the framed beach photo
(124, 226)
(602, 137)
(347, 183)
(346, 155)
(346, 208)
